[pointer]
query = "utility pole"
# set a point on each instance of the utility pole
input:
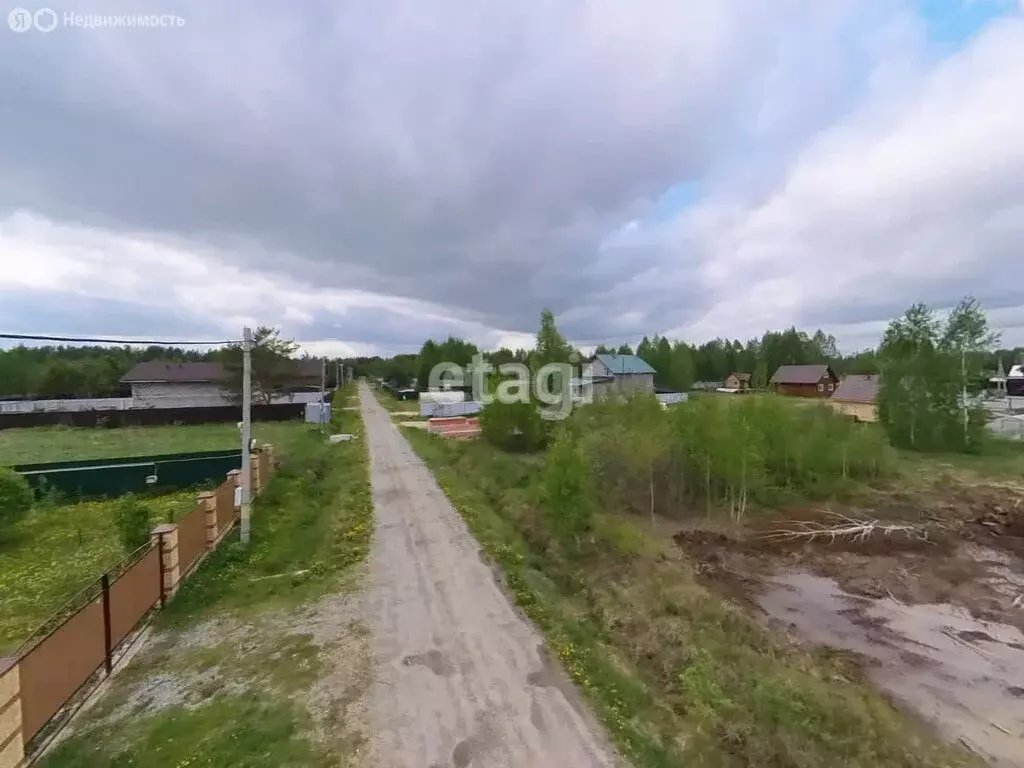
(323, 388)
(246, 431)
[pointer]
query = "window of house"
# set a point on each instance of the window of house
(830, 386)
(821, 387)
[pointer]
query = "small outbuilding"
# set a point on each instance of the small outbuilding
(740, 381)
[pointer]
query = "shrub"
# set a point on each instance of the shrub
(132, 519)
(734, 455)
(514, 426)
(566, 487)
(15, 498)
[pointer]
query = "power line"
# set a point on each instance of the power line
(139, 342)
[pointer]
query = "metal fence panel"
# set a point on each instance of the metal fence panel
(57, 667)
(671, 398)
(442, 410)
(191, 539)
(133, 595)
(116, 477)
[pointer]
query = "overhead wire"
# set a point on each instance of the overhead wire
(139, 342)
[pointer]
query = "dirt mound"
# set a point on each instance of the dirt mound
(1002, 520)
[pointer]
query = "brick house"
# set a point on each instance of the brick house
(804, 381)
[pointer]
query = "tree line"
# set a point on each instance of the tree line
(67, 372)
(54, 372)
(678, 364)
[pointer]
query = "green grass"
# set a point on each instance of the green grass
(392, 404)
(244, 731)
(42, 444)
(678, 676)
(58, 549)
(315, 516)
(55, 551)
(255, 725)
(1001, 460)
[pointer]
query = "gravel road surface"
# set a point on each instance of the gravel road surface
(463, 679)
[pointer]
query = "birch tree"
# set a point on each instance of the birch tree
(967, 337)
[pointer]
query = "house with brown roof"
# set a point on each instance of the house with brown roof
(165, 384)
(740, 381)
(804, 381)
(857, 396)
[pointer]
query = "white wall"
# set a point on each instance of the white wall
(186, 395)
(84, 404)
(158, 398)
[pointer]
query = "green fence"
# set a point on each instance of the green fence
(115, 477)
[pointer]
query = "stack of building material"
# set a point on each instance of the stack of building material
(454, 426)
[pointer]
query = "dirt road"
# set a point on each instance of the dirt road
(463, 679)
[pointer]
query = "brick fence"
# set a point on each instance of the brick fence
(48, 678)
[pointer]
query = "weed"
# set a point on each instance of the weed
(679, 677)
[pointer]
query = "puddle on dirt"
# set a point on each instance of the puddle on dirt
(963, 675)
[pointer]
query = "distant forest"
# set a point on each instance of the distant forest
(87, 371)
(95, 371)
(678, 364)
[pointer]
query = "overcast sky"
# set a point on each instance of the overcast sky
(367, 174)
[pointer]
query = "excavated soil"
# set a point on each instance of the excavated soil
(931, 599)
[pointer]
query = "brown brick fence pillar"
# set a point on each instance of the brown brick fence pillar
(208, 500)
(12, 742)
(166, 538)
(254, 468)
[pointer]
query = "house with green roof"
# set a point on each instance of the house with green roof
(615, 375)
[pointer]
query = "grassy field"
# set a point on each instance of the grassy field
(41, 444)
(678, 676)
(259, 708)
(393, 404)
(1001, 461)
(55, 551)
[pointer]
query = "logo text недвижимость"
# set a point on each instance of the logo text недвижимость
(47, 20)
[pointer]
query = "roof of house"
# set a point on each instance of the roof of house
(162, 370)
(800, 374)
(857, 388)
(625, 364)
(182, 373)
(741, 376)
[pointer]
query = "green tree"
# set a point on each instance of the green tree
(273, 365)
(132, 520)
(551, 344)
(516, 427)
(16, 498)
(759, 377)
(927, 369)
(566, 486)
(968, 339)
(909, 368)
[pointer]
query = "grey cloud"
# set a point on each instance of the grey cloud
(474, 155)
(64, 315)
